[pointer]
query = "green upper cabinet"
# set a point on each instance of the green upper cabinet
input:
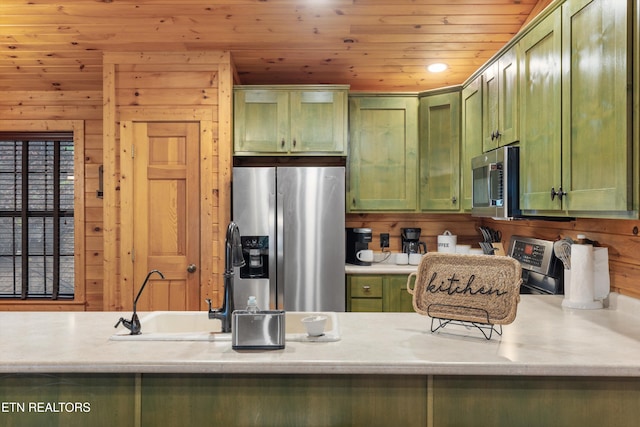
(575, 111)
(540, 103)
(500, 101)
(383, 153)
(596, 94)
(471, 137)
(300, 120)
(440, 151)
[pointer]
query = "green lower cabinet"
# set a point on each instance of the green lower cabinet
(68, 400)
(535, 401)
(378, 293)
(396, 297)
(283, 400)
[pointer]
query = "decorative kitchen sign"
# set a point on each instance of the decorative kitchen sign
(468, 288)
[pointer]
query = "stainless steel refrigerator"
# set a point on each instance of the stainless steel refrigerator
(292, 230)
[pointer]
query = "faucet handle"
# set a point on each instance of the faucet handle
(133, 325)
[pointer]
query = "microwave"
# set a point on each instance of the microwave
(495, 188)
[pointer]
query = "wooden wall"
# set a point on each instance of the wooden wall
(464, 227)
(59, 110)
(168, 86)
(49, 109)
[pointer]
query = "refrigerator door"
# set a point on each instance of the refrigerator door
(311, 246)
(254, 201)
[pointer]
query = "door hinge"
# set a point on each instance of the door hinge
(133, 254)
(133, 151)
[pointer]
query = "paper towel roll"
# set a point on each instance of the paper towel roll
(580, 292)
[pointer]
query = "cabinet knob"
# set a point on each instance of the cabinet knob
(191, 268)
(454, 200)
(366, 288)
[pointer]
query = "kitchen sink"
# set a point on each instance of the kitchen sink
(196, 326)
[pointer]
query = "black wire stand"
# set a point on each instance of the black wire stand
(486, 328)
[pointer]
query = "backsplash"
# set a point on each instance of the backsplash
(464, 226)
(621, 237)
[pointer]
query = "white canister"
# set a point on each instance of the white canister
(447, 242)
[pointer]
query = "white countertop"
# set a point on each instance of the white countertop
(384, 263)
(380, 268)
(545, 339)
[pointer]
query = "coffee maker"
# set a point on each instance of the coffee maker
(411, 243)
(357, 240)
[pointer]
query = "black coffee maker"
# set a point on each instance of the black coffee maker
(411, 243)
(357, 240)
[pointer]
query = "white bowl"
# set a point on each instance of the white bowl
(314, 325)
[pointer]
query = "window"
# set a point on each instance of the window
(36, 215)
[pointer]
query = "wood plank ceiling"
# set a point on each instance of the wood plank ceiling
(373, 45)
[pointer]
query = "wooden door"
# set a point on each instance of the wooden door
(165, 228)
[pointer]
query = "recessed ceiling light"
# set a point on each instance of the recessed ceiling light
(437, 67)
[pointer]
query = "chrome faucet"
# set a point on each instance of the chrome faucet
(134, 324)
(232, 258)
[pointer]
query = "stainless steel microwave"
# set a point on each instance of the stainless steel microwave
(495, 190)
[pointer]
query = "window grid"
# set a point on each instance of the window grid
(36, 217)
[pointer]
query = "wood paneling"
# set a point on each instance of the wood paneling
(373, 45)
(463, 226)
(166, 87)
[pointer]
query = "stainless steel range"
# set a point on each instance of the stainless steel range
(542, 271)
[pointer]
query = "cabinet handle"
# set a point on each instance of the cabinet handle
(454, 200)
(366, 288)
(294, 142)
(558, 193)
(282, 143)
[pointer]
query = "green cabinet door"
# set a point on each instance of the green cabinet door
(540, 115)
(500, 101)
(396, 298)
(318, 121)
(596, 142)
(261, 121)
(471, 137)
(383, 153)
(440, 152)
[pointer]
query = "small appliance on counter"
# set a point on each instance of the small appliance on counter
(542, 271)
(357, 240)
(411, 243)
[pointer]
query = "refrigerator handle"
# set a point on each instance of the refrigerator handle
(280, 250)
